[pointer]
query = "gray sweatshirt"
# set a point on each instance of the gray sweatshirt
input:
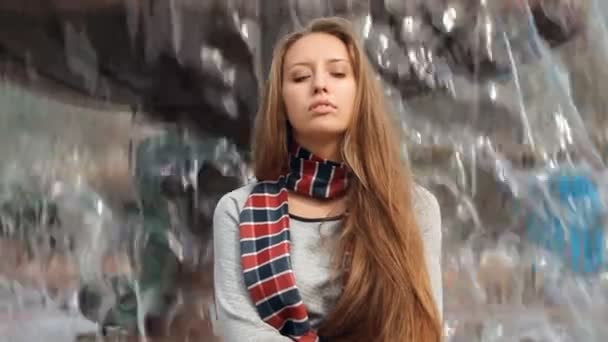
(311, 256)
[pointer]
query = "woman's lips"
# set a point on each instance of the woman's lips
(323, 109)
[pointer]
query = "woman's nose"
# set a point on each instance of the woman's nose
(320, 84)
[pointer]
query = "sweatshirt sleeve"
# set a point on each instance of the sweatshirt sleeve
(428, 215)
(238, 319)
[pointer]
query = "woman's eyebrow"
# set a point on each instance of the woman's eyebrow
(335, 60)
(310, 63)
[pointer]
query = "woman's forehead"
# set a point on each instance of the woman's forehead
(314, 48)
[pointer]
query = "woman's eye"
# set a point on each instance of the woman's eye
(338, 74)
(300, 78)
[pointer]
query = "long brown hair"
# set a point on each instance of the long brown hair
(387, 295)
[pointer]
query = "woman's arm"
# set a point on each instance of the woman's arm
(238, 319)
(429, 219)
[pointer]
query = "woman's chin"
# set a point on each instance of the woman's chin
(326, 131)
(327, 124)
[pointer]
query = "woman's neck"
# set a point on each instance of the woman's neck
(329, 150)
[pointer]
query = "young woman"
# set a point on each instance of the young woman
(334, 242)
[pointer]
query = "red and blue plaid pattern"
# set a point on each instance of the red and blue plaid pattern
(265, 241)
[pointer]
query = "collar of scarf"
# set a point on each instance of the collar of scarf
(265, 241)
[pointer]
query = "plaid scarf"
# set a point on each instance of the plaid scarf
(264, 240)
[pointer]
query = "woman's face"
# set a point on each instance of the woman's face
(319, 87)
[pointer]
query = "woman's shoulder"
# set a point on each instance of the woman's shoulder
(426, 209)
(423, 199)
(428, 215)
(234, 200)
